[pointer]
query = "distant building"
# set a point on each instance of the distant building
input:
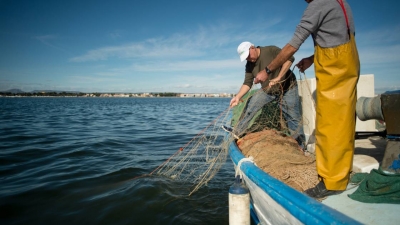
(121, 95)
(204, 95)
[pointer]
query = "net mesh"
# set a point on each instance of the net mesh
(200, 159)
(279, 156)
(266, 137)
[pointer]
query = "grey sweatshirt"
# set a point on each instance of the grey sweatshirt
(325, 21)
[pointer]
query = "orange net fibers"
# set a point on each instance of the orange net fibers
(280, 157)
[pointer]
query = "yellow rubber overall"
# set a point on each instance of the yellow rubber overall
(337, 72)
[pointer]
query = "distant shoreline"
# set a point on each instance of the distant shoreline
(19, 93)
(1, 96)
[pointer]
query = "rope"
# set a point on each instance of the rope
(238, 171)
(308, 86)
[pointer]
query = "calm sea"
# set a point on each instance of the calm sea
(74, 160)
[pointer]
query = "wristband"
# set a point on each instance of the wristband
(268, 71)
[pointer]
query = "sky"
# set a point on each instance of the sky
(184, 46)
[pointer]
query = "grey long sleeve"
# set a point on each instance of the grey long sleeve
(325, 21)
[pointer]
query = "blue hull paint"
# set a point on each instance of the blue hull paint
(305, 209)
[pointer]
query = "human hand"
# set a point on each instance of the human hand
(305, 63)
(234, 101)
(273, 82)
(261, 77)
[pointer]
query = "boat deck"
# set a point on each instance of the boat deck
(276, 203)
(366, 213)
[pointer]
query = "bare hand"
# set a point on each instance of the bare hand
(273, 82)
(234, 101)
(305, 63)
(261, 77)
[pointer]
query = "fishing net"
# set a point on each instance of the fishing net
(201, 158)
(280, 157)
(266, 136)
(269, 139)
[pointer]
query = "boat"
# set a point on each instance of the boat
(274, 202)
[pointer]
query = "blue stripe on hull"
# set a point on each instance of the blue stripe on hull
(305, 209)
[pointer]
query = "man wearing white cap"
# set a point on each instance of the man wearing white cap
(281, 83)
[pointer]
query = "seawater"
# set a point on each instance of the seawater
(76, 161)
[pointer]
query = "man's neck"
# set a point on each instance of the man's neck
(258, 53)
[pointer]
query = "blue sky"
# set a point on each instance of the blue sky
(169, 46)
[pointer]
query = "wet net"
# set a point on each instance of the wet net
(270, 134)
(201, 158)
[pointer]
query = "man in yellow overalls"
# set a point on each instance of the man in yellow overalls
(337, 70)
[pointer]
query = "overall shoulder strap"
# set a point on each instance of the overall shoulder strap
(345, 15)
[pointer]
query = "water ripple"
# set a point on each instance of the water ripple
(82, 161)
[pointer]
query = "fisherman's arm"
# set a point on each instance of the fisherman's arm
(287, 52)
(235, 100)
(285, 67)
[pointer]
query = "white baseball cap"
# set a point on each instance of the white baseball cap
(243, 50)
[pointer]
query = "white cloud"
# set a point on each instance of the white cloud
(47, 40)
(193, 65)
(205, 41)
(193, 58)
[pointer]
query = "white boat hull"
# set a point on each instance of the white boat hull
(274, 202)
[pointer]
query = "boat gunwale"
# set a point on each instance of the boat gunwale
(306, 209)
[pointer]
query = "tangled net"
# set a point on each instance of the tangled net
(266, 137)
(279, 156)
(270, 141)
(200, 159)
